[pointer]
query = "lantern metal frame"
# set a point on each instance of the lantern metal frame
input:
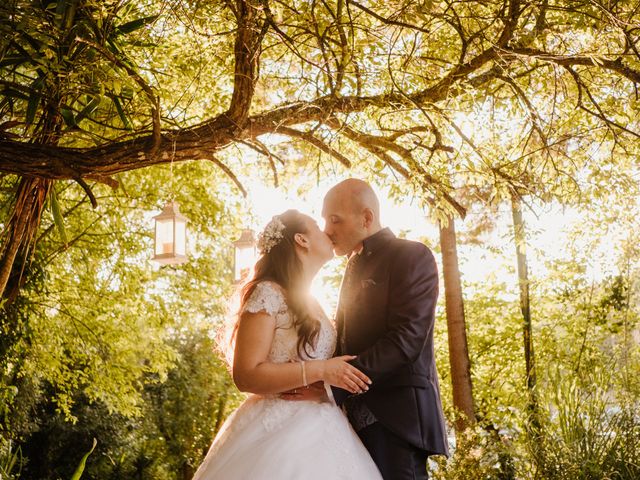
(171, 211)
(247, 241)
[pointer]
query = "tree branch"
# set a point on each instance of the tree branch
(153, 98)
(259, 147)
(571, 60)
(380, 147)
(247, 46)
(316, 142)
(387, 21)
(85, 187)
(230, 174)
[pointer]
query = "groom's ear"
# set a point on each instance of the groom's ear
(368, 217)
(301, 240)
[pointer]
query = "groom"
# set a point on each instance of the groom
(386, 316)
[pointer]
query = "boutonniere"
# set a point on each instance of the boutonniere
(369, 282)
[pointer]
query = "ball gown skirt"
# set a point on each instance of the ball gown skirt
(268, 438)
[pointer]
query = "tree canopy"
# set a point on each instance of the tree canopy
(462, 104)
(91, 89)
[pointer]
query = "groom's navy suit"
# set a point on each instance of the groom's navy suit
(386, 316)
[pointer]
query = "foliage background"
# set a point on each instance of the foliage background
(100, 343)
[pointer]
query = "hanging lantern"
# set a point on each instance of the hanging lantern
(244, 255)
(171, 235)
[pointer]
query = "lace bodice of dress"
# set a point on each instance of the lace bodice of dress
(269, 297)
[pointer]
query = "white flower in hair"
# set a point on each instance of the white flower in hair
(271, 235)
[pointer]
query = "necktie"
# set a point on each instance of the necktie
(347, 296)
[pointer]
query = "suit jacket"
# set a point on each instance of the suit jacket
(388, 323)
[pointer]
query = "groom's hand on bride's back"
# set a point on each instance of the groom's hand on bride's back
(314, 392)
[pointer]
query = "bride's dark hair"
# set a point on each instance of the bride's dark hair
(282, 266)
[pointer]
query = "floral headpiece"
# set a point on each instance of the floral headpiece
(271, 235)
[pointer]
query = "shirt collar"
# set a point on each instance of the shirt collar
(353, 254)
(376, 241)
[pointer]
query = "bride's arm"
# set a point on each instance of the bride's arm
(252, 372)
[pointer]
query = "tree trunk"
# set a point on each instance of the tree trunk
(222, 404)
(187, 471)
(525, 307)
(19, 233)
(456, 330)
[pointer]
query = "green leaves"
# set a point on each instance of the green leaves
(52, 68)
(34, 101)
(123, 116)
(72, 120)
(80, 470)
(67, 115)
(135, 24)
(57, 215)
(10, 458)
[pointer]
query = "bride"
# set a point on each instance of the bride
(284, 342)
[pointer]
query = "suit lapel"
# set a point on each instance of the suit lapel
(346, 299)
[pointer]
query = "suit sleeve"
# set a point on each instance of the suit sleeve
(413, 294)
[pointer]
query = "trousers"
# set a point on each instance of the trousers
(395, 458)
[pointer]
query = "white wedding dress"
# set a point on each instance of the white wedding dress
(268, 438)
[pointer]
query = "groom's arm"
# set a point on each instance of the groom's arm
(413, 294)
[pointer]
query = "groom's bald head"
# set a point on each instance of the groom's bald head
(357, 195)
(352, 213)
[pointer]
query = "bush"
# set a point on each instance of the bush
(11, 460)
(481, 454)
(587, 434)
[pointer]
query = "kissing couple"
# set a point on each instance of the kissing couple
(356, 398)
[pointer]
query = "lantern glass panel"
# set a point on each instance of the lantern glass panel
(164, 236)
(181, 237)
(245, 256)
